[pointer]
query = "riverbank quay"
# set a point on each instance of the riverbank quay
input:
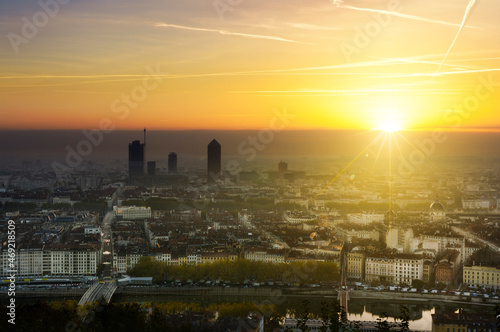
(260, 292)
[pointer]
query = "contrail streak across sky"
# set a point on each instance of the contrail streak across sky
(224, 32)
(340, 4)
(467, 11)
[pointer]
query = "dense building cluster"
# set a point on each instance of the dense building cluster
(426, 230)
(51, 245)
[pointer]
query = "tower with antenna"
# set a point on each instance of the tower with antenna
(144, 146)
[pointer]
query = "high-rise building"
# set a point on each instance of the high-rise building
(172, 162)
(214, 160)
(135, 159)
(151, 167)
(282, 168)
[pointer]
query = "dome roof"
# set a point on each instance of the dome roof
(436, 207)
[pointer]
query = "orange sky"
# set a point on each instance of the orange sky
(342, 65)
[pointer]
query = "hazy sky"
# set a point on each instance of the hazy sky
(334, 65)
(290, 146)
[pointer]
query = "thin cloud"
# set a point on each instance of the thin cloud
(340, 4)
(423, 62)
(478, 59)
(461, 72)
(384, 62)
(467, 11)
(329, 92)
(224, 32)
(106, 78)
(306, 26)
(70, 76)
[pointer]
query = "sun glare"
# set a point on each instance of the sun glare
(389, 126)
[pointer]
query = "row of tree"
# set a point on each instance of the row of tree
(361, 206)
(94, 206)
(15, 206)
(171, 316)
(239, 271)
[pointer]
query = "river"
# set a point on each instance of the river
(358, 309)
(365, 306)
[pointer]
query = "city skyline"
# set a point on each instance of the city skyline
(323, 144)
(307, 163)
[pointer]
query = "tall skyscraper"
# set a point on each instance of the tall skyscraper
(145, 156)
(172, 162)
(135, 159)
(282, 168)
(214, 161)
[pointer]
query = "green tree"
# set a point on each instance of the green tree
(417, 283)
(23, 207)
(325, 316)
(382, 323)
(135, 202)
(497, 315)
(336, 319)
(157, 321)
(356, 326)
(118, 317)
(87, 205)
(404, 324)
(343, 316)
(440, 286)
(57, 206)
(304, 317)
(272, 321)
(147, 267)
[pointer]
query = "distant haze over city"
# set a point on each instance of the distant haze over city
(50, 145)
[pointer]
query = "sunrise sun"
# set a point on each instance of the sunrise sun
(389, 125)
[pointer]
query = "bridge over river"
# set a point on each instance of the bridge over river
(99, 290)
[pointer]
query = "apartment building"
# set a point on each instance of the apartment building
(408, 267)
(131, 212)
(379, 268)
(57, 259)
(483, 276)
(356, 265)
(266, 255)
(398, 268)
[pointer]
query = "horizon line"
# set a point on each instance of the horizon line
(417, 129)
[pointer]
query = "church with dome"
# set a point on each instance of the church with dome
(437, 211)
